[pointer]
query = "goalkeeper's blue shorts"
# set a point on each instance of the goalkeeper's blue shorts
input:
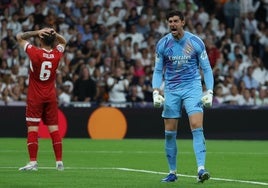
(189, 98)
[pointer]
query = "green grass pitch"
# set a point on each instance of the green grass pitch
(133, 163)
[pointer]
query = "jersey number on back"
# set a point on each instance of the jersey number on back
(44, 71)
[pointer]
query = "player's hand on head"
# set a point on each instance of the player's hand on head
(46, 31)
(158, 99)
(207, 99)
(51, 31)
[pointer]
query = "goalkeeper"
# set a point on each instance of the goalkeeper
(180, 56)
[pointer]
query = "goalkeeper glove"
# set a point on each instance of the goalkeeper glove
(158, 99)
(207, 99)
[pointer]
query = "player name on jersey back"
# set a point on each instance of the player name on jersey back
(49, 56)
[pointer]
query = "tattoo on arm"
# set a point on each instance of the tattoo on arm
(27, 35)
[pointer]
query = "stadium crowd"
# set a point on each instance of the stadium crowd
(109, 58)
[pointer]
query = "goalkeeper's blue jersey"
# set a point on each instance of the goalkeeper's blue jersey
(178, 62)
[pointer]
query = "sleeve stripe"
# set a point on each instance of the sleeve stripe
(25, 46)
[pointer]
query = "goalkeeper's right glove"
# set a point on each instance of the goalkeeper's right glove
(158, 99)
(207, 99)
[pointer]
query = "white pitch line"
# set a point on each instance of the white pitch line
(189, 176)
(147, 171)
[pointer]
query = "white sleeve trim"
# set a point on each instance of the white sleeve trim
(25, 46)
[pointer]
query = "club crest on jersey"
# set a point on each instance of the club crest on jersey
(188, 49)
(60, 48)
(204, 55)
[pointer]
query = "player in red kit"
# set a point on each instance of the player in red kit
(41, 98)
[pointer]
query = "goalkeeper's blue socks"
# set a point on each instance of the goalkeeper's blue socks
(171, 150)
(199, 146)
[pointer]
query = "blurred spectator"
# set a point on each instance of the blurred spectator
(212, 51)
(135, 36)
(114, 18)
(10, 39)
(28, 7)
(146, 83)
(91, 65)
(218, 97)
(64, 98)
(220, 32)
(3, 28)
(5, 96)
(133, 96)
(14, 24)
(138, 68)
(262, 40)
(135, 52)
(250, 27)
(86, 32)
(231, 10)
(61, 24)
(14, 73)
(23, 67)
(249, 80)
(16, 93)
(247, 99)
(237, 52)
(88, 50)
(259, 71)
(101, 95)
(14, 58)
(262, 11)
(106, 66)
(96, 42)
(240, 66)
(241, 86)
(226, 85)
(199, 31)
(132, 19)
(28, 23)
(129, 61)
(84, 87)
(145, 57)
(247, 6)
(203, 16)
(234, 98)
(249, 54)
(4, 69)
(118, 87)
(162, 26)
(214, 23)
(262, 96)
(143, 25)
(186, 6)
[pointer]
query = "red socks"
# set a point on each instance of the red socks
(57, 145)
(32, 144)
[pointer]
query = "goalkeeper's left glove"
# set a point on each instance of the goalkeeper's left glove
(158, 99)
(207, 99)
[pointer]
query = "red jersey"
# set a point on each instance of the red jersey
(42, 74)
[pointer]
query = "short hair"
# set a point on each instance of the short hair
(175, 13)
(49, 39)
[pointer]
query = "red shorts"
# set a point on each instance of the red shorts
(47, 112)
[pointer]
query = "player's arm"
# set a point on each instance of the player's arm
(158, 79)
(207, 73)
(207, 70)
(23, 37)
(61, 40)
(158, 68)
(208, 79)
